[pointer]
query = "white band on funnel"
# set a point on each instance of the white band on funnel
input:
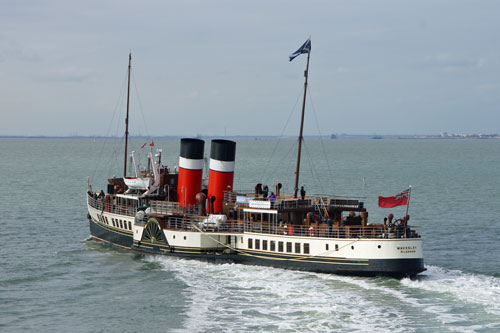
(221, 166)
(190, 164)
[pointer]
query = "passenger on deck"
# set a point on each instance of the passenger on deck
(390, 217)
(258, 189)
(302, 193)
(272, 197)
(405, 220)
(349, 220)
(265, 192)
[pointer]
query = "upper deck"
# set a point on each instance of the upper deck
(313, 216)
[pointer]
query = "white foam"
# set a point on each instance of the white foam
(239, 297)
(232, 297)
(465, 287)
(416, 306)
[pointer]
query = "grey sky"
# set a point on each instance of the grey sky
(387, 67)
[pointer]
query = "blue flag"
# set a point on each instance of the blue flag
(305, 48)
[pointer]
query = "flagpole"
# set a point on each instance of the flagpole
(306, 74)
(408, 205)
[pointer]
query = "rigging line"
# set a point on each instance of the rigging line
(122, 91)
(281, 135)
(117, 144)
(142, 152)
(321, 137)
(115, 158)
(314, 174)
(290, 164)
(311, 166)
(216, 240)
(140, 104)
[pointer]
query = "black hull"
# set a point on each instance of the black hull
(108, 234)
(397, 268)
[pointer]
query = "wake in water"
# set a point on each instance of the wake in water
(229, 297)
(464, 287)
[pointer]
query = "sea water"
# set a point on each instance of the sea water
(53, 278)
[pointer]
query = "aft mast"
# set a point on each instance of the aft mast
(305, 48)
(126, 118)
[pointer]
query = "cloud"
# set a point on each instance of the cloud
(481, 62)
(449, 63)
(10, 49)
(342, 69)
(194, 94)
(71, 74)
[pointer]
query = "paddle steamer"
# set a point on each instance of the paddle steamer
(163, 211)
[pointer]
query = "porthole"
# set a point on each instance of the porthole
(173, 236)
(184, 237)
(379, 246)
(352, 247)
(327, 247)
(336, 247)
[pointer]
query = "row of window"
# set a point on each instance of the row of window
(290, 247)
(117, 223)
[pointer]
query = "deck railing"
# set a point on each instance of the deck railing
(244, 199)
(203, 224)
(156, 207)
(166, 207)
(106, 206)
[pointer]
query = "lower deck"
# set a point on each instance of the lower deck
(356, 256)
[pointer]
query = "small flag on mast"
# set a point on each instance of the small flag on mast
(305, 48)
(400, 199)
(152, 144)
(144, 145)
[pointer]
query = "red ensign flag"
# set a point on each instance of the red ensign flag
(400, 199)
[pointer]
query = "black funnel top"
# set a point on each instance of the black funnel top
(223, 150)
(192, 148)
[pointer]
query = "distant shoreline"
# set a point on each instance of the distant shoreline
(328, 137)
